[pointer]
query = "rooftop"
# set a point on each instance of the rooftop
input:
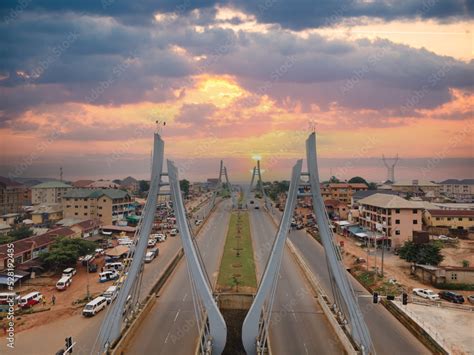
(458, 182)
(388, 201)
(51, 185)
(82, 183)
(451, 213)
(9, 182)
(95, 193)
(414, 183)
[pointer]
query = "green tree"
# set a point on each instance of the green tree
(427, 254)
(333, 180)
(372, 186)
(143, 185)
(20, 232)
(117, 181)
(358, 180)
(64, 253)
(184, 186)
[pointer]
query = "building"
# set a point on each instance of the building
(108, 205)
(13, 196)
(341, 191)
(358, 195)
(102, 184)
(439, 275)
(80, 184)
(417, 188)
(454, 219)
(336, 209)
(47, 213)
(49, 192)
(4, 228)
(390, 216)
(458, 189)
(28, 249)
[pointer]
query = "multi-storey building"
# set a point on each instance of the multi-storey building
(341, 191)
(13, 196)
(390, 216)
(417, 188)
(108, 205)
(458, 189)
(457, 219)
(49, 192)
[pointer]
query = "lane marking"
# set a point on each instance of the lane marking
(166, 340)
(186, 295)
(305, 348)
(177, 314)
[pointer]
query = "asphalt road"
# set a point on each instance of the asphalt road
(388, 334)
(298, 324)
(170, 326)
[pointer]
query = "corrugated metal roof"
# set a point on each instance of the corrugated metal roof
(51, 184)
(389, 201)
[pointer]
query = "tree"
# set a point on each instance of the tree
(184, 186)
(358, 180)
(372, 186)
(143, 185)
(333, 180)
(21, 232)
(64, 253)
(426, 254)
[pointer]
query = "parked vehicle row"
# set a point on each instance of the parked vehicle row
(445, 295)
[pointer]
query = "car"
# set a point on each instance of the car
(70, 271)
(257, 207)
(99, 251)
(470, 298)
(108, 275)
(93, 267)
(94, 306)
(149, 257)
(451, 297)
(299, 226)
(443, 237)
(151, 243)
(88, 259)
(110, 294)
(252, 202)
(174, 232)
(30, 299)
(426, 293)
(160, 237)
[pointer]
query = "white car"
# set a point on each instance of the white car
(426, 293)
(151, 243)
(69, 272)
(174, 232)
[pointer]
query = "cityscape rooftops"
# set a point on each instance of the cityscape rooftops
(51, 185)
(389, 201)
(458, 182)
(88, 193)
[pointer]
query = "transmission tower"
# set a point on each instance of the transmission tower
(390, 167)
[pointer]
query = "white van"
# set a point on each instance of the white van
(149, 256)
(109, 275)
(94, 306)
(8, 297)
(63, 283)
(30, 299)
(70, 271)
(125, 242)
(110, 294)
(118, 266)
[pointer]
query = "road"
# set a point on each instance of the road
(388, 334)
(170, 326)
(298, 324)
(84, 330)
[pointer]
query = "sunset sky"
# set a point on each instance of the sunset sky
(83, 82)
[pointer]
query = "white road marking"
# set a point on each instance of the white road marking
(176, 316)
(305, 348)
(167, 337)
(186, 295)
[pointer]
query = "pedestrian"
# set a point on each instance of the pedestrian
(53, 300)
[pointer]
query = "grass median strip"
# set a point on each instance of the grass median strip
(237, 270)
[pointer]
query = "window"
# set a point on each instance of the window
(397, 210)
(397, 221)
(85, 206)
(75, 199)
(76, 206)
(104, 200)
(454, 276)
(449, 218)
(437, 218)
(75, 213)
(100, 215)
(415, 221)
(68, 206)
(460, 219)
(470, 218)
(85, 213)
(397, 232)
(415, 210)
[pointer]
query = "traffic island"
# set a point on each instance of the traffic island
(237, 281)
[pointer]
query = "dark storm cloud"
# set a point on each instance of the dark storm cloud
(298, 14)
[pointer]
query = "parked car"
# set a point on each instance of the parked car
(93, 267)
(470, 298)
(151, 243)
(63, 283)
(451, 297)
(110, 294)
(299, 226)
(149, 257)
(99, 251)
(426, 293)
(70, 271)
(198, 222)
(94, 306)
(174, 232)
(30, 299)
(108, 275)
(117, 266)
(88, 259)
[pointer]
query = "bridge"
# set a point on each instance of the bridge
(305, 301)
